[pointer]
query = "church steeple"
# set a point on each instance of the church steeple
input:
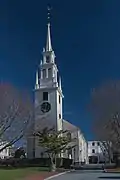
(48, 42)
(48, 68)
(48, 53)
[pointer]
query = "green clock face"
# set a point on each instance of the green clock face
(45, 107)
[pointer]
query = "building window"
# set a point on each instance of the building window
(93, 143)
(59, 99)
(59, 116)
(69, 135)
(93, 150)
(44, 73)
(47, 59)
(41, 154)
(49, 72)
(98, 143)
(69, 153)
(6, 151)
(45, 96)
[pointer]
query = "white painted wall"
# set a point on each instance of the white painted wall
(59, 110)
(79, 153)
(83, 148)
(6, 152)
(97, 148)
(51, 118)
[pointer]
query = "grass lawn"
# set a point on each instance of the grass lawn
(15, 174)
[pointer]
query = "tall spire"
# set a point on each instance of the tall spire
(48, 42)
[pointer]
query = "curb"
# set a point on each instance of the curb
(111, 171)
(105, 171)
(57, 175)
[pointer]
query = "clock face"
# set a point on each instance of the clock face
(45, 107)
(47, 59)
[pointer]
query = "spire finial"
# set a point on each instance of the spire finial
(48, 13)
(48, 43)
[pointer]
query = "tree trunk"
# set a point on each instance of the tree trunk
(110, 156)
(53, 163)
(61, 162)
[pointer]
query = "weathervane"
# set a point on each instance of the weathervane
(48, 13)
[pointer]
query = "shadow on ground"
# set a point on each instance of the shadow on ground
(110, 177)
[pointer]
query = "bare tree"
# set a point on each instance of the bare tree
(16, 114)
(106, 147)
(105, 110)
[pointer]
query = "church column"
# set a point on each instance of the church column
(47, 73)
(52, 72)
(37, 81)
(41, 74)
(60, 83)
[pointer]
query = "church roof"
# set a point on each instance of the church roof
(69, 126)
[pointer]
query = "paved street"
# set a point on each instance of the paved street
(88, 175)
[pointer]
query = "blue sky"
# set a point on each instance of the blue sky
(86, 41)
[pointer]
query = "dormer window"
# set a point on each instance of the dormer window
(47, 59)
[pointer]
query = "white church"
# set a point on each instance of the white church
(48, 96)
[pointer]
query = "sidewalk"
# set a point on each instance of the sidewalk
(41, 175)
